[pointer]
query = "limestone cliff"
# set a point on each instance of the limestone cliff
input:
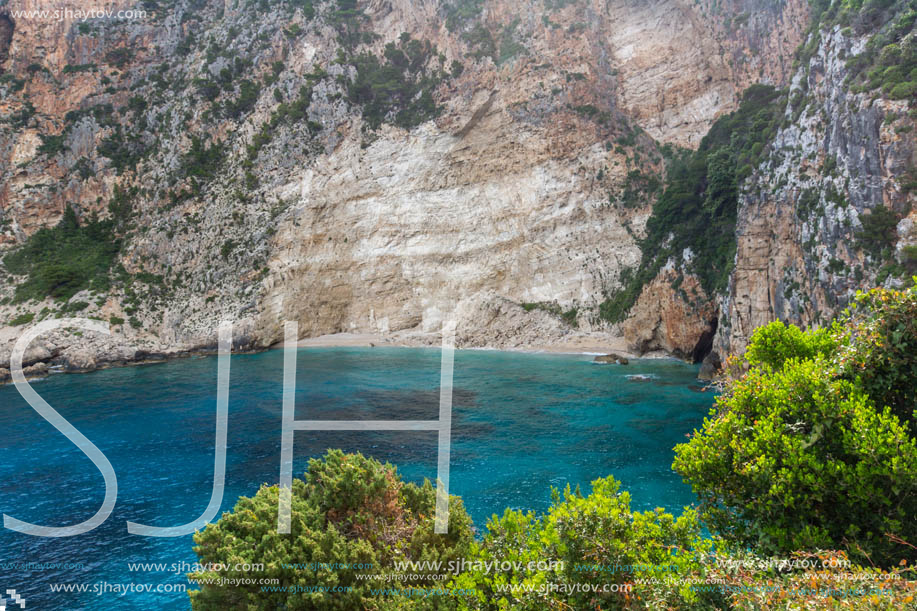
(828, 208)
(376, 166)
(842, 159)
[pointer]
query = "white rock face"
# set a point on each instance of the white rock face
(425, 226)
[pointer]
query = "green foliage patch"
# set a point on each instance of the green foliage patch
(580, 534)
(889, 61)
(348, 510)
(398, 88)
(815, 447)
(61, 261)
(879, 233)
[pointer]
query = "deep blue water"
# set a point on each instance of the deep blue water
(521, 424)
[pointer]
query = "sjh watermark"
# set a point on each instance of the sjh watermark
(443, 425)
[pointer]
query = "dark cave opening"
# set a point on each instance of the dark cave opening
(704, 345)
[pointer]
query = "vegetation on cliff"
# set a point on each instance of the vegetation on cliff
(889, 61)
(61, 261)
(398, 88)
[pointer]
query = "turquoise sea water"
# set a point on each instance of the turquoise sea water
(521, 424)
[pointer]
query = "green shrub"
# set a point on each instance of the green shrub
(207, 89)
(202, 161)
(909, 258)
(398, 90)
(125, 152)
(119, 57)
(72, 68)
(812, 448)
(578, 535)
(879, 231)
(903, 91)
(880, 350)
(227, 248)
(773, 344)
(509, 46)
(349, 509)
(460, 12)
(22, 319)
(51, 145)
(248, 97)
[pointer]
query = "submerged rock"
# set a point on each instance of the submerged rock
(611, 358)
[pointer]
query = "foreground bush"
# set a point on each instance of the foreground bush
(586, 552)
(812, 448)
(879, 350)
(348, 510)
(593, 540)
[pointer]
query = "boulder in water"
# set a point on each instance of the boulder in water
(611, 358)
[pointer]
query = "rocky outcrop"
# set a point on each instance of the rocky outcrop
(672, 316)
(617, 359)
(684, 63)
(711, 367)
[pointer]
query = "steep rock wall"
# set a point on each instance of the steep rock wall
(509, 196)
(841, 156)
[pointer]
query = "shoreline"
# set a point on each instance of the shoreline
(592, 346)
(584, 345)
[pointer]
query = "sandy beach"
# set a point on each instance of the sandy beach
(580, 344)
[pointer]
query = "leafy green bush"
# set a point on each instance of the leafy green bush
(909, 258)
(460, 12)
(812, 448)
(71, 68)
(794, 460)
(879, 231)
(639, 189)
(398, 90)
(22, 319)
(774, 344)
(202, 161)
(248, 97)
(347, 18)
(579, 541)
(880, 350)
(124, 152)
(119, 57)
(51, 145)
(349, 509)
